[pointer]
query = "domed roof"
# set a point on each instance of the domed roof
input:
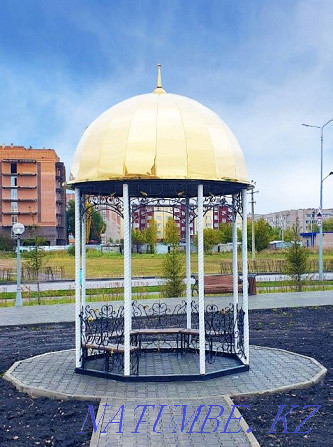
(158, 136)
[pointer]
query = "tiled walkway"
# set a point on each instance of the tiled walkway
(53, 375)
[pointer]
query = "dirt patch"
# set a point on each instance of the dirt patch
(308, 332)
(28, 421)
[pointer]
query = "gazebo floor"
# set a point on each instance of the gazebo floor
(168, 366)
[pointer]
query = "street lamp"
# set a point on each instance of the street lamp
(18, 229)
(321, 193)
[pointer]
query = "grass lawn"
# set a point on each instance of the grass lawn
(110, 265)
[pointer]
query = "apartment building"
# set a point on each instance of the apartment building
(31, 192)
(143, 214)
(287, 218)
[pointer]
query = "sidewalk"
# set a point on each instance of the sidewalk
(58, 313)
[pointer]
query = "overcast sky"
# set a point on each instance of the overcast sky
(265, 66)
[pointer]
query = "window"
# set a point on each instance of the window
(14, 207)
(13, 180)
(13, 219)
(13, 194)
(13, 168)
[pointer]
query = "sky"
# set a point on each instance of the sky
(264, 66)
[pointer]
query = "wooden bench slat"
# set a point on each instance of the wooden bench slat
(155, 331)
(108, 347)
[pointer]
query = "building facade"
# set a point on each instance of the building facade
(287, 218)
(31, 193)
(142, 215)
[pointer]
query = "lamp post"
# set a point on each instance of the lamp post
(18, 229)
(321, 193)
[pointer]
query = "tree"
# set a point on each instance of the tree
(276, 233)
(211, 237)
(296, 258)
(70, 217)
(328, 224)
(173, 271)
(138, 238)
(263, 234)
(35, 256)
(151, 235)
(288, 235)
(97, 226)
(171, 233)
(225, 233)
(6, 243)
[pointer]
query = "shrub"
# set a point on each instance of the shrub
(173, 271)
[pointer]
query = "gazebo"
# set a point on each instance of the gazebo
(160, 147)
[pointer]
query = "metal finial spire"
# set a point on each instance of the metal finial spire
(159, 78)
(159, 90)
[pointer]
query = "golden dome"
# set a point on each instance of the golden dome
(158, 136)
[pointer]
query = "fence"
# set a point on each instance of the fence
(27, 274)
(273, 266)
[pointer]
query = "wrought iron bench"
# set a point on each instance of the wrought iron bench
(159, 326)
(220, 333)
(216, 284)
(102, 336)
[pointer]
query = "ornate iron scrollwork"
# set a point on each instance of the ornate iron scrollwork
(159, 327)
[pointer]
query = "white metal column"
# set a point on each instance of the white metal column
(130, 248)
(188, 264)
(127, 282)
(245, 278)
(235, 266)
(202, 341)
(77, 278)
(83, 256)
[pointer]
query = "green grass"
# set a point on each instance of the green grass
(69, 300)
(71, 292)
(110, 265)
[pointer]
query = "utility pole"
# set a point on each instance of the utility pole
(252, 220)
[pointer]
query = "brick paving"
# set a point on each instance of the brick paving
(53, 375)
(271, 369)
(168, 429)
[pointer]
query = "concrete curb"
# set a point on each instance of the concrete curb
(246, 429)
(306, 384)
(95, 434)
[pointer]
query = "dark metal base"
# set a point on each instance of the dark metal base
(177, 367)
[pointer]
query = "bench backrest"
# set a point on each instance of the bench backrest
(225, 280)
(158, 315)
(99, 326)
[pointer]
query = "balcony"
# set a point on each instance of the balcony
(9, 213)
(20, 174)
(19, 200)
(18, 160)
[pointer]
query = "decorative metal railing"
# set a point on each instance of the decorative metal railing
(158, 327)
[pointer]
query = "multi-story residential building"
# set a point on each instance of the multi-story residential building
(31, 192)
(287, 218)
(141, 216)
